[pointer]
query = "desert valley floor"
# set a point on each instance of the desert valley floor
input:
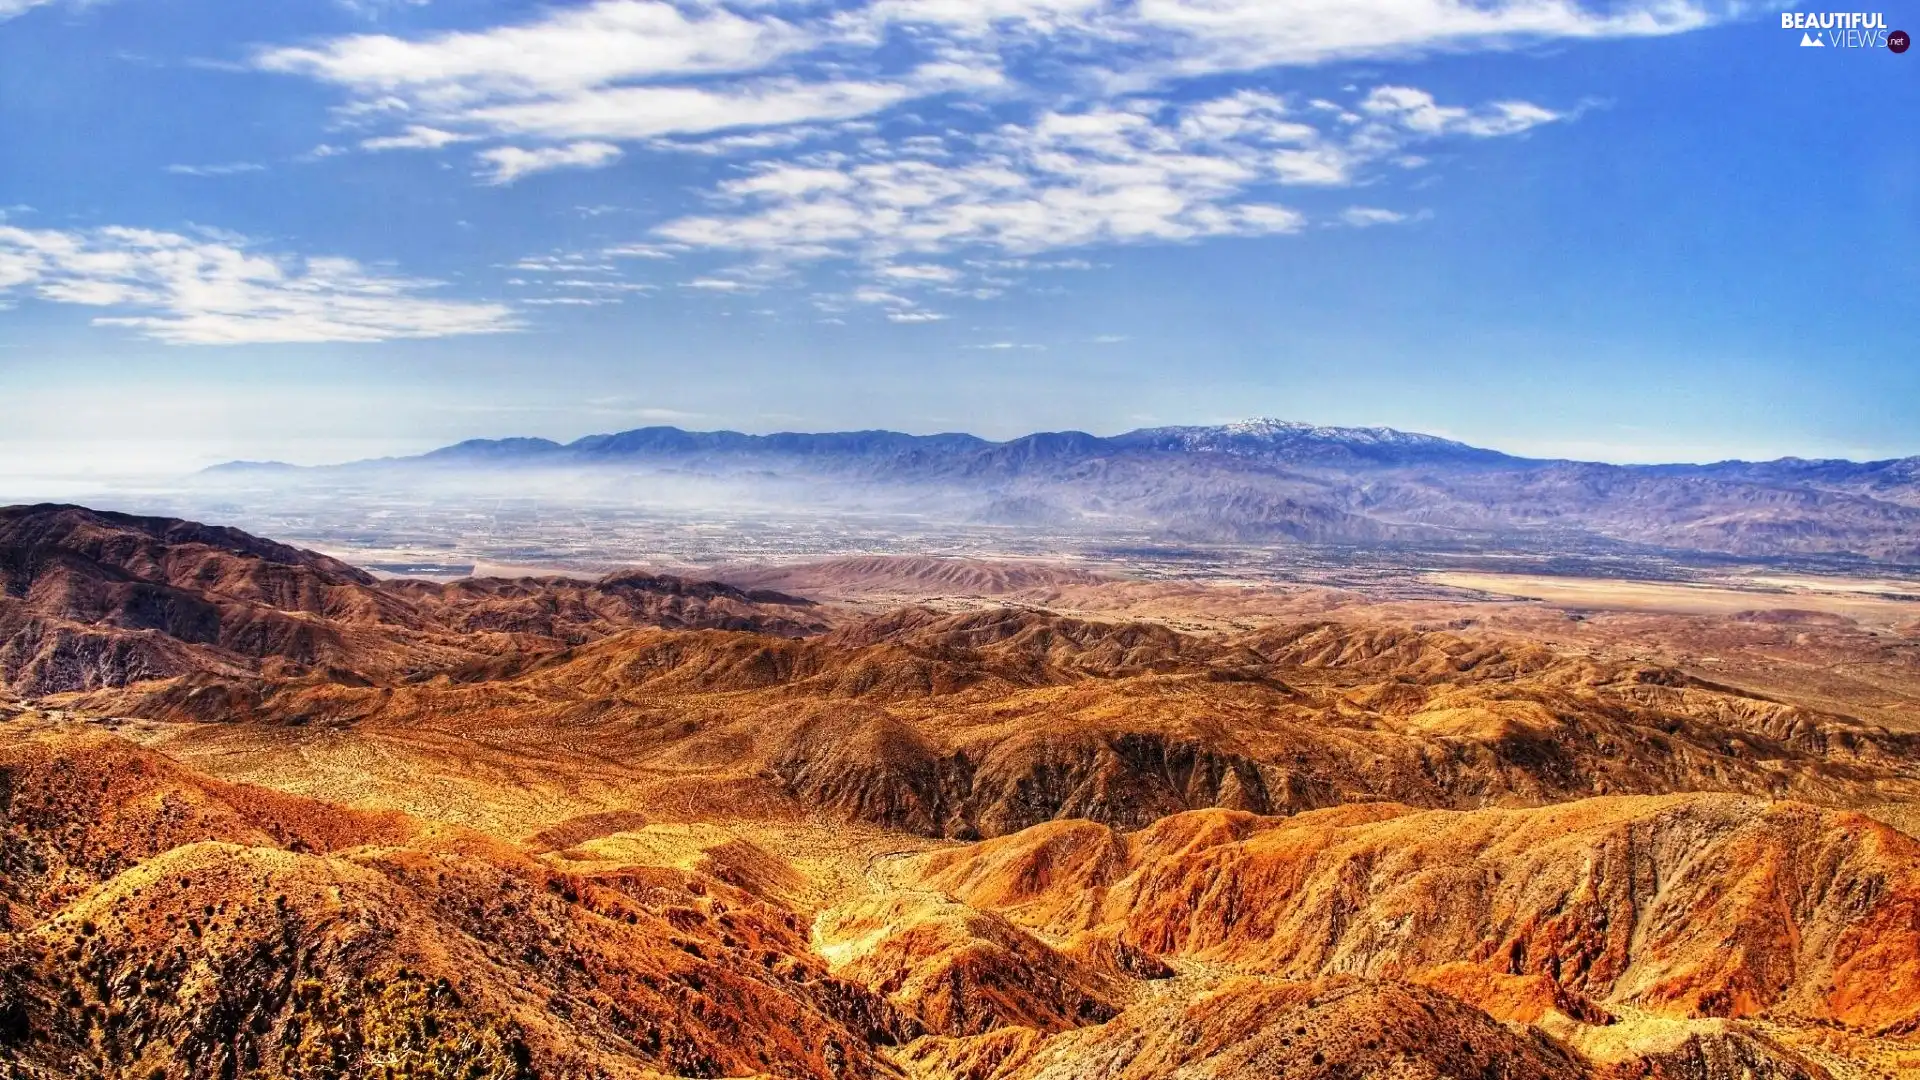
(265, 814)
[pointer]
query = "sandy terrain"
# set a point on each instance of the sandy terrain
(1878, 603)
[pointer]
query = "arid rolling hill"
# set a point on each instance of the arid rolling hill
(912, 576)
(1688, 904)
(985, 723)
(318, 825)
(90, 599)
(161, 924)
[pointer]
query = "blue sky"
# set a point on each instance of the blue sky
(316, 229)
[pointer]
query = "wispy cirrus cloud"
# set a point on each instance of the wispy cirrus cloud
(375, 9)
(565, 52)
(968, 214)
(718, 285)
(12, 8)
(1137, 171)
(919, 274)
(1213, 36)
(1364, 217)
(759, 76)
(188, 290)
(416, 137)
(1419, 115)
(581, 292)
(506, 164)
(233, 168)
(916, 137)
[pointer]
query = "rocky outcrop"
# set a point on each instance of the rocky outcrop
(163, 925)
(883, 771)
(958, 970)
(1259, 1027)
(1689, 905)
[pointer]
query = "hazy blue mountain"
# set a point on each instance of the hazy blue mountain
(1261, 480)
(1265, 440)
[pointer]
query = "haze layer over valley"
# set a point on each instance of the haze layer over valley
(1278, 501)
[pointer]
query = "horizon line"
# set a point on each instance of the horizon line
(989, 442)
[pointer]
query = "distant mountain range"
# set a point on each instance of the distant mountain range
(1257, 481)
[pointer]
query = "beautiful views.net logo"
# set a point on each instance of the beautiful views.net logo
(1844, 30)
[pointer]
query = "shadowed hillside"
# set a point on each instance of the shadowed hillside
(90, 599)
(986, 723)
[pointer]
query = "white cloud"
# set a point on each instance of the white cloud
(1319, 166)
(229, 169)
(1128, 172)
(505, 164)
(900, 132)
(773, 74)
(898, 308)
(568, 263)
(625, 68)
(606, 70)
(374, 9)
(1212, 36)
(1361, 217)
(581, 292)
(567, 51)
(978, 16)
(1192, 37)
(872, 295)
(200, 291)
(645, 112)
(642, 251)
(609, 43)
(1417, 112)
(604, 286)
(11, 8)
(416, 137)
(752, 141)
(941, 275)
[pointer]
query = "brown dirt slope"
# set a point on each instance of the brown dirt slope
(910, 575)
(231, 935)
(1267, 1028)
(959, 970)
(985, 723)
(1336, 1028)
(1698, 905)
(91, 599)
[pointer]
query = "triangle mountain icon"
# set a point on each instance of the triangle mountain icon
(1808, 41)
